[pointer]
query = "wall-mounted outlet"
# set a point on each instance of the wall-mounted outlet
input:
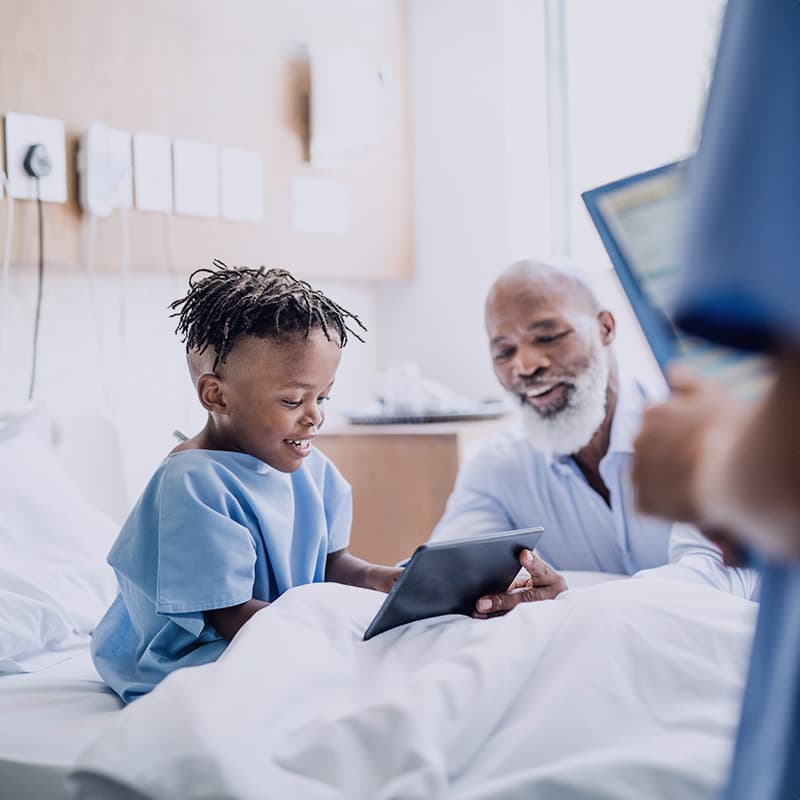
(104, 167)
(22, 131)
(195, 170)
(152, 172)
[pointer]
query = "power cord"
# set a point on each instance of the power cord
(4, 306)
(38, 165)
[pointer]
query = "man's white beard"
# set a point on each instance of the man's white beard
(572, 428)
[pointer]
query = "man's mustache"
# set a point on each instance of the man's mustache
(531, 386)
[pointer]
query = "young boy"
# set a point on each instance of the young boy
(247, 508)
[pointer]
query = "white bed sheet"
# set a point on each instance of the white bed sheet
(48, 719)
(621, 691)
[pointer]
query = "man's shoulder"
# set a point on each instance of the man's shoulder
(505, 450)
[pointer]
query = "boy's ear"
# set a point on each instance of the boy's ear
(211, 393)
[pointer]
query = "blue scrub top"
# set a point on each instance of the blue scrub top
(742, 283)
(212, 529)
(742, 288)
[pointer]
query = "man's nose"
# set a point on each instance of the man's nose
(529, 360)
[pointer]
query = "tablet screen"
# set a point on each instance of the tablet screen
(640, 221)
(449, 577)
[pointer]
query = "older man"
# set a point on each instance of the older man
(569, 471)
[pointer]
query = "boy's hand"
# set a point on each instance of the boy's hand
(382, 578)
(343, 567)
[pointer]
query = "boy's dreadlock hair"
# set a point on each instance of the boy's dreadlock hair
(225, 303)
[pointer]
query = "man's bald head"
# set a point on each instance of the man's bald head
(529, 277)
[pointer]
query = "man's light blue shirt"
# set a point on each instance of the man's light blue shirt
(212, 529)
(510, 484)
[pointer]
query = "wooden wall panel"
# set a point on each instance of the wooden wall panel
(401, 477)
(232, 73)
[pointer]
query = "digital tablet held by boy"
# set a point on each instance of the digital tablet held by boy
(247, 508)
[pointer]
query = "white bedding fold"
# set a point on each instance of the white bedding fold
(629, 689)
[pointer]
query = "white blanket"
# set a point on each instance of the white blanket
(628, 689)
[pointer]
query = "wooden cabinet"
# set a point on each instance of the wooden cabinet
(401, 476)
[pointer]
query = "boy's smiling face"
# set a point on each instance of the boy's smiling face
(267, 399)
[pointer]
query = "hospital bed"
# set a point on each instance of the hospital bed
(622, 689)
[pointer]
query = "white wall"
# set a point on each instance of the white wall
(478, 180)
(141, 383)
(635, 74)
(480, 196)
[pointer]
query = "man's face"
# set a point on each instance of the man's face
(541, 340)
(274, 395)
(548, 347)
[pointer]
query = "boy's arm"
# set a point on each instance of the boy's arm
(227, 621)
(342, 567)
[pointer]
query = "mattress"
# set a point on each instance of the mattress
(48, 719)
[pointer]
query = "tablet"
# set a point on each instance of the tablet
(449, 577)
(640, 220)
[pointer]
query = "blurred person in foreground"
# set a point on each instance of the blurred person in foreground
(700, 457)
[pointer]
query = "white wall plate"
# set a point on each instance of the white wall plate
(152, 172)
(242, 184)
(23, 130)
(196, 178)
(121, 154)
(104, 167)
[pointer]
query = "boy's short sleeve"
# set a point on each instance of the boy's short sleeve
(338, 499)
(206, 553)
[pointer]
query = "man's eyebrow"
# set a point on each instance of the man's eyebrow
(538, 324)
(543, 323)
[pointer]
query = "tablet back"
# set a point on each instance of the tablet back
(449, 577)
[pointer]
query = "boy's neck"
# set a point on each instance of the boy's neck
(209, 438)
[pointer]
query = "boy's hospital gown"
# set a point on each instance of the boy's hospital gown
(212, 529)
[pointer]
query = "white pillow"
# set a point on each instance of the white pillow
(54, 581)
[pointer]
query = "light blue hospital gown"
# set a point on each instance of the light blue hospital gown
(212, 529)
(742, 288)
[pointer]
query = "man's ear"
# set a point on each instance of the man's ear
(211, 393)
(608, 327)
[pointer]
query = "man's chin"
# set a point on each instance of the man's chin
(549, 410)
(561, 433)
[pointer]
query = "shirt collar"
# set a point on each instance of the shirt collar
(631, 401)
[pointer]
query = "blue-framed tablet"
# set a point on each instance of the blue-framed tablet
(640, 220)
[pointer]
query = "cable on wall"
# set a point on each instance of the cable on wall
(38, 165)
(39, 287)
(124, 270)
(4, 304)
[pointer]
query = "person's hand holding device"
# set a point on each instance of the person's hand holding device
(541, 582)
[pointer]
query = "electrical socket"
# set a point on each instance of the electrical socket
(152, 172)
(104, 169)
(23, 130)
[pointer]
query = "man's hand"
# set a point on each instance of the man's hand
(733, 554)
(541, 583)
(670, 447)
